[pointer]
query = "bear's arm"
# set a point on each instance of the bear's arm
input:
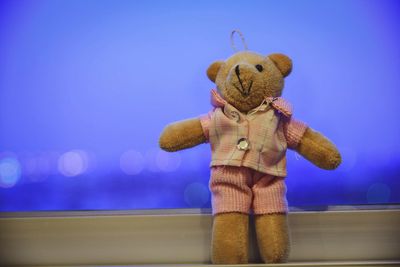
(181, 135)
(318, 149)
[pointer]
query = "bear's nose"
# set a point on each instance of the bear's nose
(237, 71)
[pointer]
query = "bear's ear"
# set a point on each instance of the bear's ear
(212, 71)
(282, 62)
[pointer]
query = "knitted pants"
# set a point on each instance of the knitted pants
(241, 189)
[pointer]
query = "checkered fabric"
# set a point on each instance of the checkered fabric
(257, 140)
(241, 189)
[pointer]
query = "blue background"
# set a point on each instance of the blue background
(87, 86)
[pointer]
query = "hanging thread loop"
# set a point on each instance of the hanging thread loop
(233, 40)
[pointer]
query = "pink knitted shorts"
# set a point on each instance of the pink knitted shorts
(240, 189)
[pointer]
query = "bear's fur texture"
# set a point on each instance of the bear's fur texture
(244, 80)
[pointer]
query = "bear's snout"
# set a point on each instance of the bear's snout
(242, 78)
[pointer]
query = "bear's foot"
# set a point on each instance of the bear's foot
(230, 238)
(273, 237)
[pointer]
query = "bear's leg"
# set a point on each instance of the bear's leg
(273, 237)
(231, 200)
(270, 209)
(230, 238)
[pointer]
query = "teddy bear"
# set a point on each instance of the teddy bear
(249, 129)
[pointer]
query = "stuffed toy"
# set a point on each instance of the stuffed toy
(249, 129)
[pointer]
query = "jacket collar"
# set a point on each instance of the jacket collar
(278, 103)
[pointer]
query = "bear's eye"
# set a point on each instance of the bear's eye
(259, 67)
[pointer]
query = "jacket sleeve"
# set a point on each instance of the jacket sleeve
(294, 131)
(205, 121)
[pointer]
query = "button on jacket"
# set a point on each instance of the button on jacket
(257, 140)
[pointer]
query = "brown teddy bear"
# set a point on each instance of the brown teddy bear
(249, 130)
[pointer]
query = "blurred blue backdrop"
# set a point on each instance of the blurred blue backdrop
(87, 86)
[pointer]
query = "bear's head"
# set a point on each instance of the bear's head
(246, 78)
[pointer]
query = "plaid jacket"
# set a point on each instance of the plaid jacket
(257, 140)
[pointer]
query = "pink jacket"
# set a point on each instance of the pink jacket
(257, 140)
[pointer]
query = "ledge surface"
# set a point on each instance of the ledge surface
(117, 239)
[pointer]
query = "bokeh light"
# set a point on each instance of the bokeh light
(150, 160)
(132, 162)
(36, 168)
(73, 163)
(168, 162)
(30, 167)
(10, 172)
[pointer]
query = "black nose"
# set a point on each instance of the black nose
(237, 70)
